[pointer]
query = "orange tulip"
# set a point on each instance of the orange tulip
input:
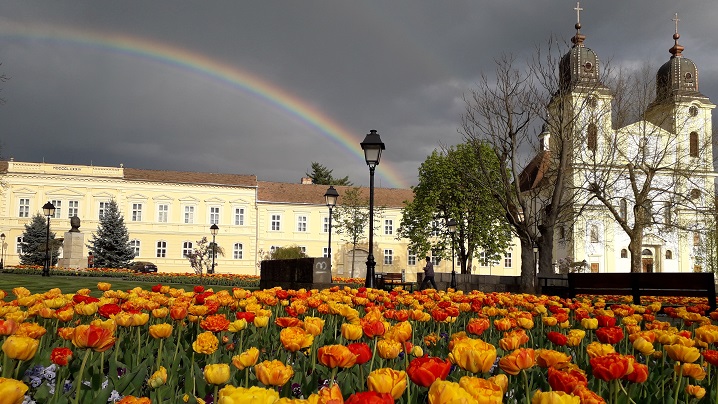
(546, 358)
(295, 338)
(518, 360)
(273, 373)
(7, 327)
(513, 340)
(682, 353)
(163, 330)
(473, 355)
(426, 370)
(333, 356)
(206, 343)
(612, 366)
(99, 339)
(484, 391)
(388, 348)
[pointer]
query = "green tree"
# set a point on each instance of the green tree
(323, 176)
(110, 245)
(34, 241)
(447, 190)
(351, 218)
(200, 259)
(286, 253)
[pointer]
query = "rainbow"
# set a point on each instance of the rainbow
(200, 64)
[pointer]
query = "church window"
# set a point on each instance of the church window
(594, 233)
(592, 137)
(667, 218)
(588, 66)
(688, 77)
(695, 193)
(669, 254)
(592, 102)
(561, 233)
(694, 144)
(646, 252)
(624, 253)
(623, 208)
(693, 110)
(696, 238)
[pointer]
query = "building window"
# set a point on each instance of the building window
(594, 233)
(325, 252)
(102, 209)
(624, 253)
(162, 212)
(669, 254)
(325, 226)
(24, 207)
(693, 110)
(239, 216)
(301, 223)
(303, 249)
(187, 249)
(435, 256)
(73, 209)
(483, 261)
(273, 248)
(136, 212)
(135, 245)
(667, 217)
(694, 144)
(58, 208)
(161, 249)
(695, 193)
(18, 244)
(507, 260)
(561, 233)
(388, 257)
(189, 214)
(411, 259)
(696, 238)
(214, 215)
(237, 251)
(623, 208)
(388, 227)
(592, 102)
(276, 222)
(592, 135)
(435, 228)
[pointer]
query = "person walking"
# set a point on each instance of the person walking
(428, 275)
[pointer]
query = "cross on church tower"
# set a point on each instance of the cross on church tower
(676, 19)
(578, 12)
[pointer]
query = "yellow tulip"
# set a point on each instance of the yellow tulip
(20, 347)
(388, 348)
(163, 330)
(206, 343)
(237, 325)
(682, 353)
(484, 391)
(273, 373)
(246, 359)
(216, 373)
(12, 391)
(554, 397)
(159, 378)
(473, 355)
(351, 332)
(387, 380)
(442, 391)
(261, 321)
(241, 395)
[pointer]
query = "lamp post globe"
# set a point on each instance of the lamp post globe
(213, 229)
(2, 251)
(451, 225)
(330, 197)
(48, 210)
(372, 146)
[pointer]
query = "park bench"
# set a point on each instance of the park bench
(390, 280)
(701, 284)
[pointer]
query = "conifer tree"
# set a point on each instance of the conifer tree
(34, 241)
(111, 244)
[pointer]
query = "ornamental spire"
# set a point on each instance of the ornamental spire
(676, 50)
(578, 39)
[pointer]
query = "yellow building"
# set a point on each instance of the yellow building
(167, 212)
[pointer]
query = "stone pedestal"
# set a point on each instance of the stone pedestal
(73, 255)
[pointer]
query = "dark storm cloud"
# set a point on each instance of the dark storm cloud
(400, 67)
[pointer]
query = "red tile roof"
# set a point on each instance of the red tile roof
(314, 194)
(185, 177)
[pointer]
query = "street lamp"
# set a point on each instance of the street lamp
(330, 197)
(213, 229)
(372, 146)
(49, 210)
(451, 224)
(2, 252)
(536, 251)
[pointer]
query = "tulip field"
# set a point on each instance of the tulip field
(351, 345)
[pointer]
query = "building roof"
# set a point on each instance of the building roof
(314, 194)
(185, 177)
(534, 174)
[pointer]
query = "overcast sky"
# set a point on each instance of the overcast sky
(267, 87)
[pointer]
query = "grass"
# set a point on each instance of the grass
(70, 284)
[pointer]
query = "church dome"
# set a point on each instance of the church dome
(580, 66)
(678, 76)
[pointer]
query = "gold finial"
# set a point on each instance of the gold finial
(578, 38)
(676, 50)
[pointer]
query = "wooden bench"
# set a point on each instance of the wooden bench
(390, 280)
(644, 284)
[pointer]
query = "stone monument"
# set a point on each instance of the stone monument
(73, 247)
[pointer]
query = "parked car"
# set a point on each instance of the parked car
(143, 266)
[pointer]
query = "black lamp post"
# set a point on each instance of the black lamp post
(49, 210)
(536, 251)
(2, 252)
(372, 146)
(330, 197)
(451, 224)
(213, 229)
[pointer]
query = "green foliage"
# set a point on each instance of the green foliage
(200, 259)
(323, 176)
(448, 190)
(286, 253)
(110, 245)
(34, 241)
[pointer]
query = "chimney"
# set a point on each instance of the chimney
(307, 181)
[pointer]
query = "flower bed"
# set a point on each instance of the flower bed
(350, 345)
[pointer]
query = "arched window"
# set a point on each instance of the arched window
(624, 253)
(669, 254)
(623, 208)
(592, 136)
(647, 252)
(694, 144)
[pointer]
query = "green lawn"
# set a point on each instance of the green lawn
(70, 284)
